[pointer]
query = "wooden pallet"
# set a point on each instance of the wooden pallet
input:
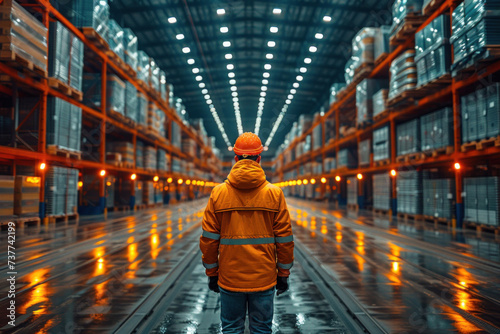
(382, 115)
(128, 165)
(121, 63)
(56, 150)
(409, 157)
(437, 220)
(62, 218)
(438, 151)
(65, 89)
(407, 216)
(407, 29)
(362, 72)
(475, 63)
(480, 145)
(97, 39)
(381, 212)
(18, 62)
(23, 221)
(433, 86)
(482, 227)
(122, 208)
(381, 58)
(352, 207)
(383, 162)
(432, 6)
(404, 99)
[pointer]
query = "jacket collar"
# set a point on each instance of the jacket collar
(246, 174)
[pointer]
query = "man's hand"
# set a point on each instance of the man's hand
(212, 283)
(281, 285)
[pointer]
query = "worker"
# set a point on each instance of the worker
(247, 242)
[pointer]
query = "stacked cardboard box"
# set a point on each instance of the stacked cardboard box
(364, 98)
(27, 195)
(347, 158)
(61, 192)
(439, 198)
(115, 38)
(130, 47)
(352, 190)
(381, 191)
(364, 151)
(403, 72)
(90, 13)
(131, 102)
(436, 129)
(7, 185)
(150, 158)
(64, 124)
(115, 92)
(408, 137)
(381, 144)
(481, 200)
(409, 188)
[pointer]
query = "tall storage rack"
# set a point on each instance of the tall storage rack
(430, 98)
(17, 80)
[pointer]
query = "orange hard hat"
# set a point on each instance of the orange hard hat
(248, 144)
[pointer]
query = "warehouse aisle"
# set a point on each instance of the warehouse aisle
(101, 276)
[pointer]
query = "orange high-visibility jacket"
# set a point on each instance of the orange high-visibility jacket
(247, 236)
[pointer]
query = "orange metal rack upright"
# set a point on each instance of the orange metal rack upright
(20, 80)
(449, 94)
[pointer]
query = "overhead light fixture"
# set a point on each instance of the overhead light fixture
(133, 177)
(232, 82)
(228, 56)
(262, 99)
(271, 44)
(230, 74)
(296, 85)
(293, 91)
(318, 36)
(234, 94)
(199, 78)
(262, 94)
(273, 29)
(221, 11)
(303, 70)
(277, 11)
(269, 56)
(190, 61)
(224, 30)
(179, 36)
(172, 20)
(327, 18)
(230, 67)
(267, 66)
(207, 97)
(196, 70)
(307, 60)
(186, 49)
(299, 78)
(209, 101)
(201, 85)
(265, 81)
(312, 48)
(204, 91)
(266, 74)
(226, 44)
(288, 101)
(233, 88)
(290, 97)
(264, 88)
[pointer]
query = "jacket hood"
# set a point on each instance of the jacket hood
(246, 174)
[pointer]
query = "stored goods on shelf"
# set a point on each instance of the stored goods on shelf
(347, 158)
(380, 101)
(23, 35)
(156, 120)
(317, 137)
(439, 197)
(27, 195)
(143, 66)
(139, 154)
(304, 123)
(352, 190)
(90, 13)
(61, 191)
(161, 160)
(330, 130)
(403, 74)
(481, 200)
(382, 42)
(115, 38)
(349, 71)
(131, 102)
(436, 129)
(475, 29)
(382, 191)
(163, 86)
(150, 158)
(171, 96)
(363, 47)
(65, 56)
(189, 146)
(401, 9)
(481, 114)
(154, 75)
(408, 137)
(433, 52)
(364, 98)
(142, 109)
(381, 144)
(364, 151)
(149, 192)
(115, 92)
(409, 189)
(330, 164)
(7, 186)
(130, 47)
(335, 90)
(176, 135)
(125, 149)
(159, 192)
(113, 158)
(64, 124)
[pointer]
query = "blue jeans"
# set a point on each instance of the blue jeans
(234, 307)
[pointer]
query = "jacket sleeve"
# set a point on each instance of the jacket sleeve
(209, 240)
(284, 239)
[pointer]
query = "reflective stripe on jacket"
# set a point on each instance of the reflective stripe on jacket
(247, 236)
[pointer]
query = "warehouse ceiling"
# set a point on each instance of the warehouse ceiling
(250, 65)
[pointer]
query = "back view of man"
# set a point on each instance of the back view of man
(247, 242)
